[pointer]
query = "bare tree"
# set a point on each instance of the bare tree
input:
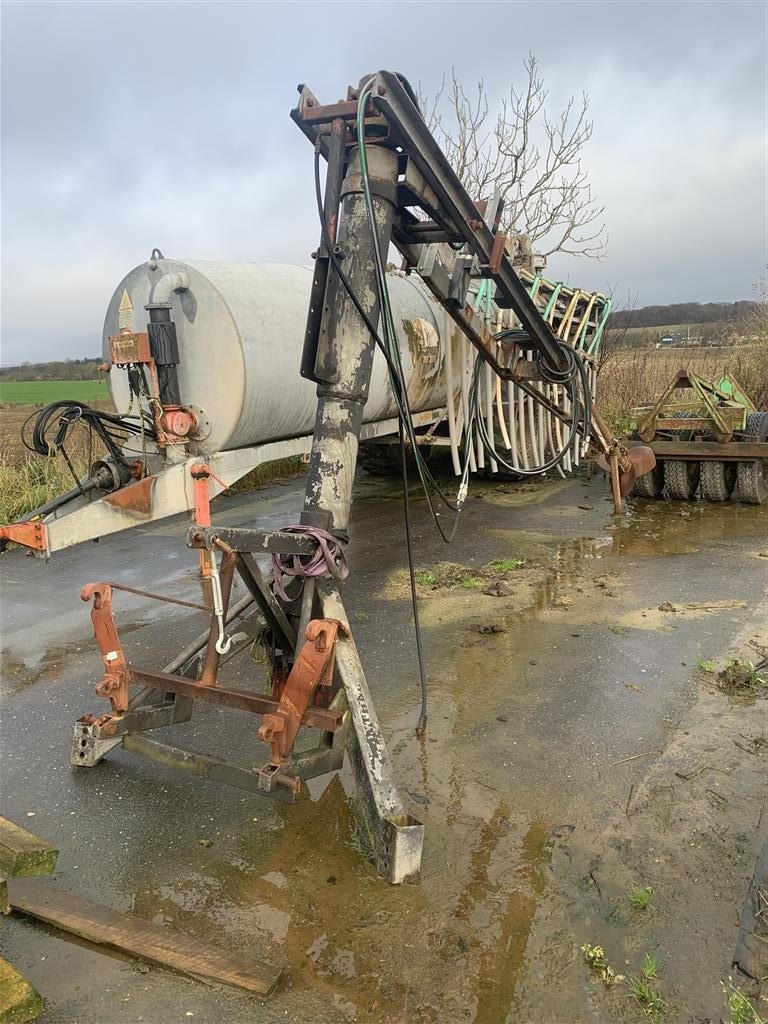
(532, 158)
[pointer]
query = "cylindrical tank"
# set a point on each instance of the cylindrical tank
(240, 329)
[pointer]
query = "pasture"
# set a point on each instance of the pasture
(41, 392)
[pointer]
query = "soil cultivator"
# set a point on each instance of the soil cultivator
(707, 437)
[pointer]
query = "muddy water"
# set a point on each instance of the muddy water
(532, 738)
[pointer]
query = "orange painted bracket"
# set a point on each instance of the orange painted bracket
(114, 685)
(29, 535)
(312, 668)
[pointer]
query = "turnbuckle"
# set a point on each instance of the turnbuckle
(224, 642)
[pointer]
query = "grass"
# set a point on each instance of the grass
(267, 472)
(643, 990)
(41, 392)
(740, 1010)
(446, 575)
(25, 487)
(649, 997)
(706, 665)
(507, 564)
(640, 897)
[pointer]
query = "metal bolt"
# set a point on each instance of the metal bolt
(382, 90)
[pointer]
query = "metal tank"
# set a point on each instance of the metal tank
(240, 329)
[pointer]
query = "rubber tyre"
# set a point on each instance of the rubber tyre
(753, 476)
(718, 480)
(650, 485)
(681, 478)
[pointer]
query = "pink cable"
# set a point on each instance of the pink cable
(328, 559)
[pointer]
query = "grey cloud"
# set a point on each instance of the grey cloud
(126, 126)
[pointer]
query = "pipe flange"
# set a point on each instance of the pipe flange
(203, 428)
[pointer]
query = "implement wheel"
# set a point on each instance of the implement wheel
(681, 478)
(717, 480)
(753, 476)
(650, 485)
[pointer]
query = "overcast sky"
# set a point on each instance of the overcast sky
(128, 126)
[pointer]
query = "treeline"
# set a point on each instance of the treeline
(683, 313)
(59, 369)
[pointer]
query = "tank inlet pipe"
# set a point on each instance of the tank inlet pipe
(165, 286)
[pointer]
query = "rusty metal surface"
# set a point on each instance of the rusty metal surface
(154, 597)
(326, 719)
(204, 766)
(114, 684)
(739, 451)
(29, 535)
(256, 541)
(312, 668)
(129, 347)
(136, 498)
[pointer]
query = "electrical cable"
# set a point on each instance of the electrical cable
(112, 430)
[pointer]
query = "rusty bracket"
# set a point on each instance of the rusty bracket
(312, 668)
(29, 535)
(114, 685)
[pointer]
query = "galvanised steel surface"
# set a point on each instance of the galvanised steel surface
(240, 329)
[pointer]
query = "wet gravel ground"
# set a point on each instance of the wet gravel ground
(532, 746)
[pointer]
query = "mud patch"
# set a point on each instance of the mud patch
(689, 832)
(519, 495)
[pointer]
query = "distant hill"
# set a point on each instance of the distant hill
(683, 313)
(62, 369)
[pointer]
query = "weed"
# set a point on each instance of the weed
(594, 956)
(640, 897)
(740, 1010)
(648, 996)
(706, 666)
(739, 676)
(506, 564)
(650, 967)
(444, 575)
(26, 487)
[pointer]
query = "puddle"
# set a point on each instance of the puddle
(684, 528)
(533, 731)
(18, 674)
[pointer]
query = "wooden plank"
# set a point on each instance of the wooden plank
(107, 927)
(5, 906)
(19, 1002)
(22, 853)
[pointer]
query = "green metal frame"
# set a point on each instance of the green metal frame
(720, 407)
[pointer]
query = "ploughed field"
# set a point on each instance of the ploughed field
(19, 399)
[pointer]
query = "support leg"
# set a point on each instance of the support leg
(396, 838)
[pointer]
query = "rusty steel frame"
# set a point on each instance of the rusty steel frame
(735, 451)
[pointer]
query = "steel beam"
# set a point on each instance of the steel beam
(733, 451)
(242, 700)
(345, 346)
(396, 838)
